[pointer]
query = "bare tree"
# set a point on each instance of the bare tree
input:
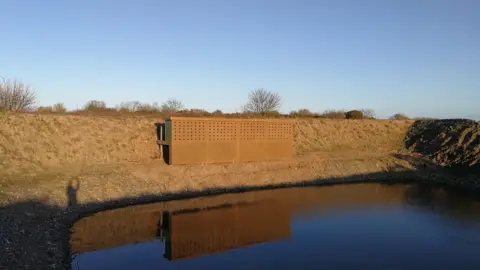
(56, 108)
(262, 101)
(59, 108)
(172, 105)
(15, 96)
(129, 106)
(93, 105)
(145, 107)
(368, 113)
(334, 114)
(137, 106)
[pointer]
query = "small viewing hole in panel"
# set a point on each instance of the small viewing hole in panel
(189, 130)
(222, 130)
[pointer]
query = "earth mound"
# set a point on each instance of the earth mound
(449, 142)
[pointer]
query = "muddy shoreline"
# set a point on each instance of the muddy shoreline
(36, 234)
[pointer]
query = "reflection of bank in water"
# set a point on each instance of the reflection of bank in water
(187, 233)
(211, 224)
(446, 202)
(260, 215)
(193, 233)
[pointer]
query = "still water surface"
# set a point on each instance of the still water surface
(357, 226)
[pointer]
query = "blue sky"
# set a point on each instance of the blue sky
(419, 57)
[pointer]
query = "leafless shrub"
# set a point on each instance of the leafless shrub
(302, 113)
(15, 96)
(95, 105)
(56, 108)
(272, 114)
(59, 108)
(194, 113)
(137, 106)
(334, 114)
(45, 109)
(399, 116)
(172, 105)
(129, 106)
(262, 101)
(200, 112)
(217, 112)
(368, 113)
(148, 108)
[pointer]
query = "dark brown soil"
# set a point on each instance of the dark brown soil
(449, 143)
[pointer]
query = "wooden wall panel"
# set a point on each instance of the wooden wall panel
(211, 140)
(188, 152)
(222, 151)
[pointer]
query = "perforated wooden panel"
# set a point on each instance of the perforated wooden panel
(188, 130)
(222, 130)
(253, 130)
(279, 131)
(210, 140)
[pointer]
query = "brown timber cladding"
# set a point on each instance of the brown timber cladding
(210, 140)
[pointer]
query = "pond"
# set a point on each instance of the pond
(354, 226)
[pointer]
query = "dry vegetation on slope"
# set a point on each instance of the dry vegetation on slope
(329, 135)
(37, 143)
(31, 143)
(115, 162)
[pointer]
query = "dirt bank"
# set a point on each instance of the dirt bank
(116, 157)
(451, 142)
(115, 162)
(35, 144)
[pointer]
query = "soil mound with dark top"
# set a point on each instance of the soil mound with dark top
(449, 142)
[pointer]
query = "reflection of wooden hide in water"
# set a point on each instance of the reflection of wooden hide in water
(193, 234)
(138, 224)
